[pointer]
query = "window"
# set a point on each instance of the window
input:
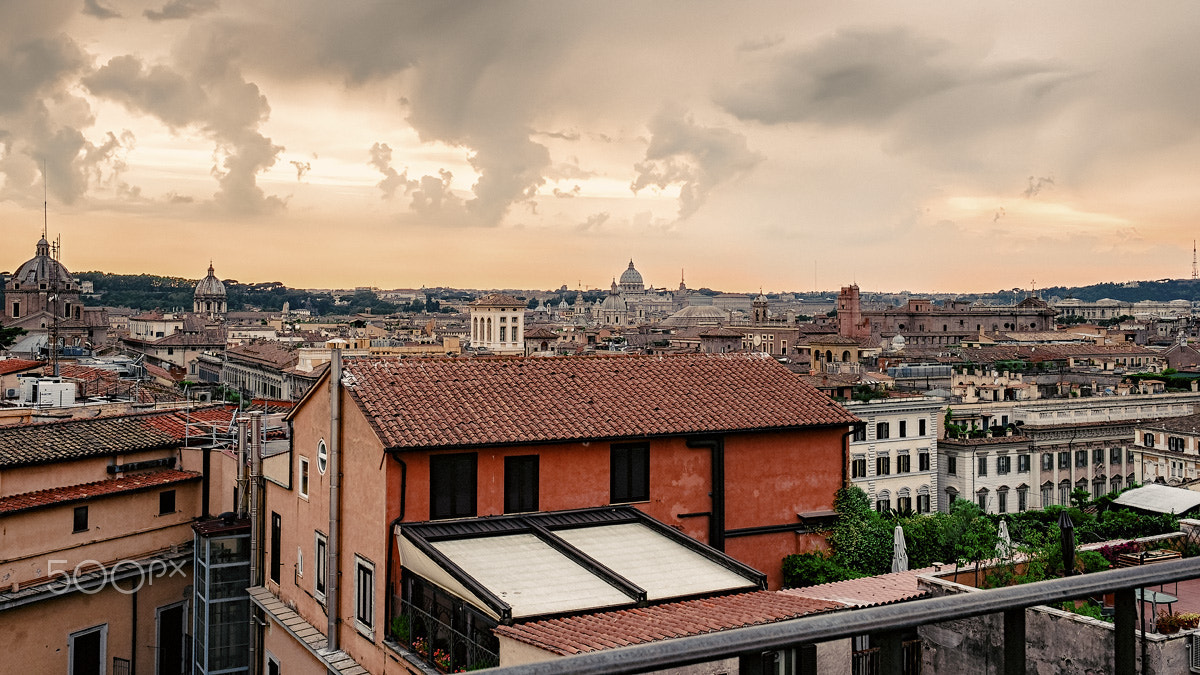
(629, 473)
(902, 464)
(1002, 500)
(452, 485)
(858, 466)
(882, 431)
(16, 313)
(903, 428)
(1098, 487)
(923, 460)
(1064, 493)
(1048, 461)
(883, 502)
(1022, 463)
(1175, 443)
(1114, 456)
(923, 501)
(1064, 460)
(982, 466)
(521, 484)
(1148, 440)
(1047, 494)
(981, 499)
(276, 545)
(952, 465)
(322, 457)
(503, 333)
(1003, 464)
(166, 502)
(1097, 455)
(1115, 484)
(364, 594)
(299, 561)
(1081, 458)
(860, 433)
(1129, 456)
(319, 566)
(87, 651)
(903, 501)
(883, 465)
(304, 477)
(1022, 498)
(921, 427)
(81, 519)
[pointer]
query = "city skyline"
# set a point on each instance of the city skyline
(529, 145)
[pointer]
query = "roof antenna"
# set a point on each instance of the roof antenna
(45, 201)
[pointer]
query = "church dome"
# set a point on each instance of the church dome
(210, 286)
(614, 303)
(42, 268)
(631, 279)
(697, 315)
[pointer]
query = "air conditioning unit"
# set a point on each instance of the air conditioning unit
(1194, 656)
(10, 393)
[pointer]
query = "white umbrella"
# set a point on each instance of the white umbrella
(899, 553)
(1003, 541)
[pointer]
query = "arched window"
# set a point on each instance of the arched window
(322, 456)
(883, 501)
(829, 355)
(903, 500)
(923, 499)
(981, 499)
(846, 356)
(1115, 484)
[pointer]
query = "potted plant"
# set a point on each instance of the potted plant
(1188, 621)
(1167, 623)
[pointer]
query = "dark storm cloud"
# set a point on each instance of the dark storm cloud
(381, 159)
(203, 89)
(95, 9)
(696, 158)
(180, 9)
(1036, 185)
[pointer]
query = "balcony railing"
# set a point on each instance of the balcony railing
(438, 643)
(887, 624)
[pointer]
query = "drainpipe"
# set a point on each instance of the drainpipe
(846, 452)
(256, 529)
(133, 634)
(205, 507)
(389, 541)
(333, 566)
(716, 522)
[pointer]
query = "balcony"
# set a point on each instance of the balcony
(440, 644)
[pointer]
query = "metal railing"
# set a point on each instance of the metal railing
(438, 643)
(888, 623)
(866, 661)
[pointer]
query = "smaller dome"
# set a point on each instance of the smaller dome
(210, 286)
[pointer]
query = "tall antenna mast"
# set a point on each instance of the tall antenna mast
(1195, 269)
(45, 201)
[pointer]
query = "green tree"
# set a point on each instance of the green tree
(9, 335)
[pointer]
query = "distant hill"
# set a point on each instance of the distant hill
(1159, 291)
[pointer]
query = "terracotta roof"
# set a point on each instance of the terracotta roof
(8, 366)
(868, 591)
(74, 493)
(415, 403)
(64, 440)
(498, 300)
(719, 331)
(604, 630)
(1187, 424)
(274, 354)
(540, 333)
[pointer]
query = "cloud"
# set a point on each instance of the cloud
(567, 194)
(203, 89)
(696, 158)
(1036, 185)
(761, 43)
(381, 159)
(93, 8)
(301, 168)
(593, 222)
(432, 195)
(181, 9)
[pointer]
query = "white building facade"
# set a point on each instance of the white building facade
(498, 324)
(894, 458)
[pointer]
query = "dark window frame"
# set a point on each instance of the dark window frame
(166, 502)
(276, 546)
(521, 483)
(453, 485)
(629, 473)
(79, 519)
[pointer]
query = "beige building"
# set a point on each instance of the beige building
(498, 324)
(1168, 450)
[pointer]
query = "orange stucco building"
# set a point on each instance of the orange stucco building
(733, 451)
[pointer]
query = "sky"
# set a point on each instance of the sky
(788, 146)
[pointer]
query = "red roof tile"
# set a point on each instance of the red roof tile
(867, 591)
(17, 365)
(415, 403)
(74, 493)
(602, 630)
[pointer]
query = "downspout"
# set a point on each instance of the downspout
(133, 634)
(205, 509)
(846, 452)
(257, 546)
(390, 541)
(333, 566)
(716, 522)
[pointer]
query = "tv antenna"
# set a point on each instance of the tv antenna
(1195, 269)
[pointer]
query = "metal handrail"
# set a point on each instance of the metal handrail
(844, 624)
